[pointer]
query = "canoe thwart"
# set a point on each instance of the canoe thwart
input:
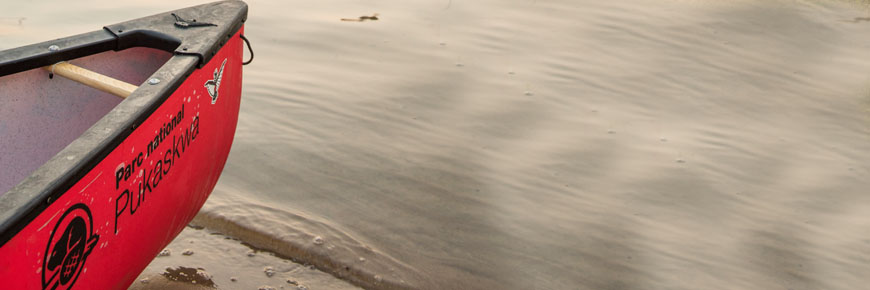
(92, 79)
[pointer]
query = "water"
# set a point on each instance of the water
(537, 144)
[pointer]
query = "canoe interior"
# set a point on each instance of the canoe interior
(40, 116)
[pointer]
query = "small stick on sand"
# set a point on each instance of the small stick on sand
(857, 19)
(362, 18)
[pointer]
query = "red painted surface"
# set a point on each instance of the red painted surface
(106, 229)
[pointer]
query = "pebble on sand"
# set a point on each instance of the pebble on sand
(164, 253)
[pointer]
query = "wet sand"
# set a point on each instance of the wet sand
(560, 144)
(546, 145)
(203, 259)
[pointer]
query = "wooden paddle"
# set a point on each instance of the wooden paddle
(92, 79)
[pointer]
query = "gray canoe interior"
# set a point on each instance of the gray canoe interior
(40, 116)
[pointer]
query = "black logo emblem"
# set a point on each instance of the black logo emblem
(69, 245)
(213, 85)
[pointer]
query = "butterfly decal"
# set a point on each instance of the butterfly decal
(214, 84)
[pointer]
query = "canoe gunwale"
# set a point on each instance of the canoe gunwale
(24, 202)
(161, 32)
(156, 31)
(38, 55)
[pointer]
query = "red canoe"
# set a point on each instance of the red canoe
(93, 186)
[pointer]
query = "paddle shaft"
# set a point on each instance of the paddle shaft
(92, 79)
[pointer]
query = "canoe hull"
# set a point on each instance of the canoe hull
(106, 228)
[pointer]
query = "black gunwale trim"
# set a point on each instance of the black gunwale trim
(27, 200)
(38, 55)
